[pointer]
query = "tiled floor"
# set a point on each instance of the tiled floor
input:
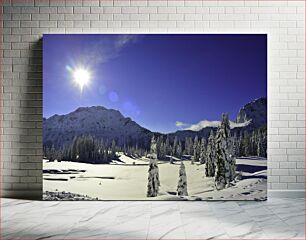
(273, 219)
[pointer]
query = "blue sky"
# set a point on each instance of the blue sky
(157, 80)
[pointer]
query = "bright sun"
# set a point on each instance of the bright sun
(81, 76)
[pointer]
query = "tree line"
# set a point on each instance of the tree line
(84, 149)
(91, 150)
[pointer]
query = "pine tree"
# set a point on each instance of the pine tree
(113, 149)
(236, 145)
(203, 151)
(168, 147)
(210, 156)
(153, 178)
(188, 146)
(179, 150)
(153, 148)
(246, 144)
(196, 149)
(174, 148)
(241, 148)
(264, 142)
(182, 183)
(261, 143)
(225, 160)
(158, 147)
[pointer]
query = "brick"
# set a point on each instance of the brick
(48, 10)
(287, 179)
(166, 10)
(147, 9)
(64, 24)
(81, 24)
(91, 16)
(158, 3)
(60, 3)
(45, 24)
(140, 17)
(29, 24)
(185, 10)
(111, 10)
(21, 17)
(30, 10)
(98, 24)
(81, 9)
(63, 10)
(129, 10)
(160, 17)
(91, 3)
(75, 3)
(40, 17)
(57, 17)
(75, 16)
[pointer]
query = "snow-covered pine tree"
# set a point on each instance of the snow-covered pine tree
(225, 160)
(196, 149)
(113, 153)
(153, 148)
(210, 156)
(182, 183)
(246, 144)
(162, 153)
(203, 151)
(159, 143)
(186, 146)
(168, 147)
(174, 148)
(231, 160)
(153, 179)
(241, 148)
(259, 144)
(179, 151)
(253, 144)
(264, 142)
(236, 144)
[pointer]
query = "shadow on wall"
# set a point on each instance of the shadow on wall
(30, 143)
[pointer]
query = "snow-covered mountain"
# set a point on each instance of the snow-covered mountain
(255, 111)
(109, 124)
(100, 122)
(250, 117)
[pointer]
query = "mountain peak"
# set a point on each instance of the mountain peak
(98, 121)
(81, 109)
(255, 111)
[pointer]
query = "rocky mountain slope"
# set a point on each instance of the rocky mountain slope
(100, 122)
(109, 124)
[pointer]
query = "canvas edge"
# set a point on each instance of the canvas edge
(37, 194)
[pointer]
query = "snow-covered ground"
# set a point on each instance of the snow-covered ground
(127, 180)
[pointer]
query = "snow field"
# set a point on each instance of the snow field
(127, 180)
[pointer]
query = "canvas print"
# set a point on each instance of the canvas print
(155, 117)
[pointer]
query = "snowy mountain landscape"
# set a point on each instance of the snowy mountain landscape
(154, 117)
(110, 124)
(125, 175)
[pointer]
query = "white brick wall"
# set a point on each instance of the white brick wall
(24, 22)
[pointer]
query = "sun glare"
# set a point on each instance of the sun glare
(81, 76)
